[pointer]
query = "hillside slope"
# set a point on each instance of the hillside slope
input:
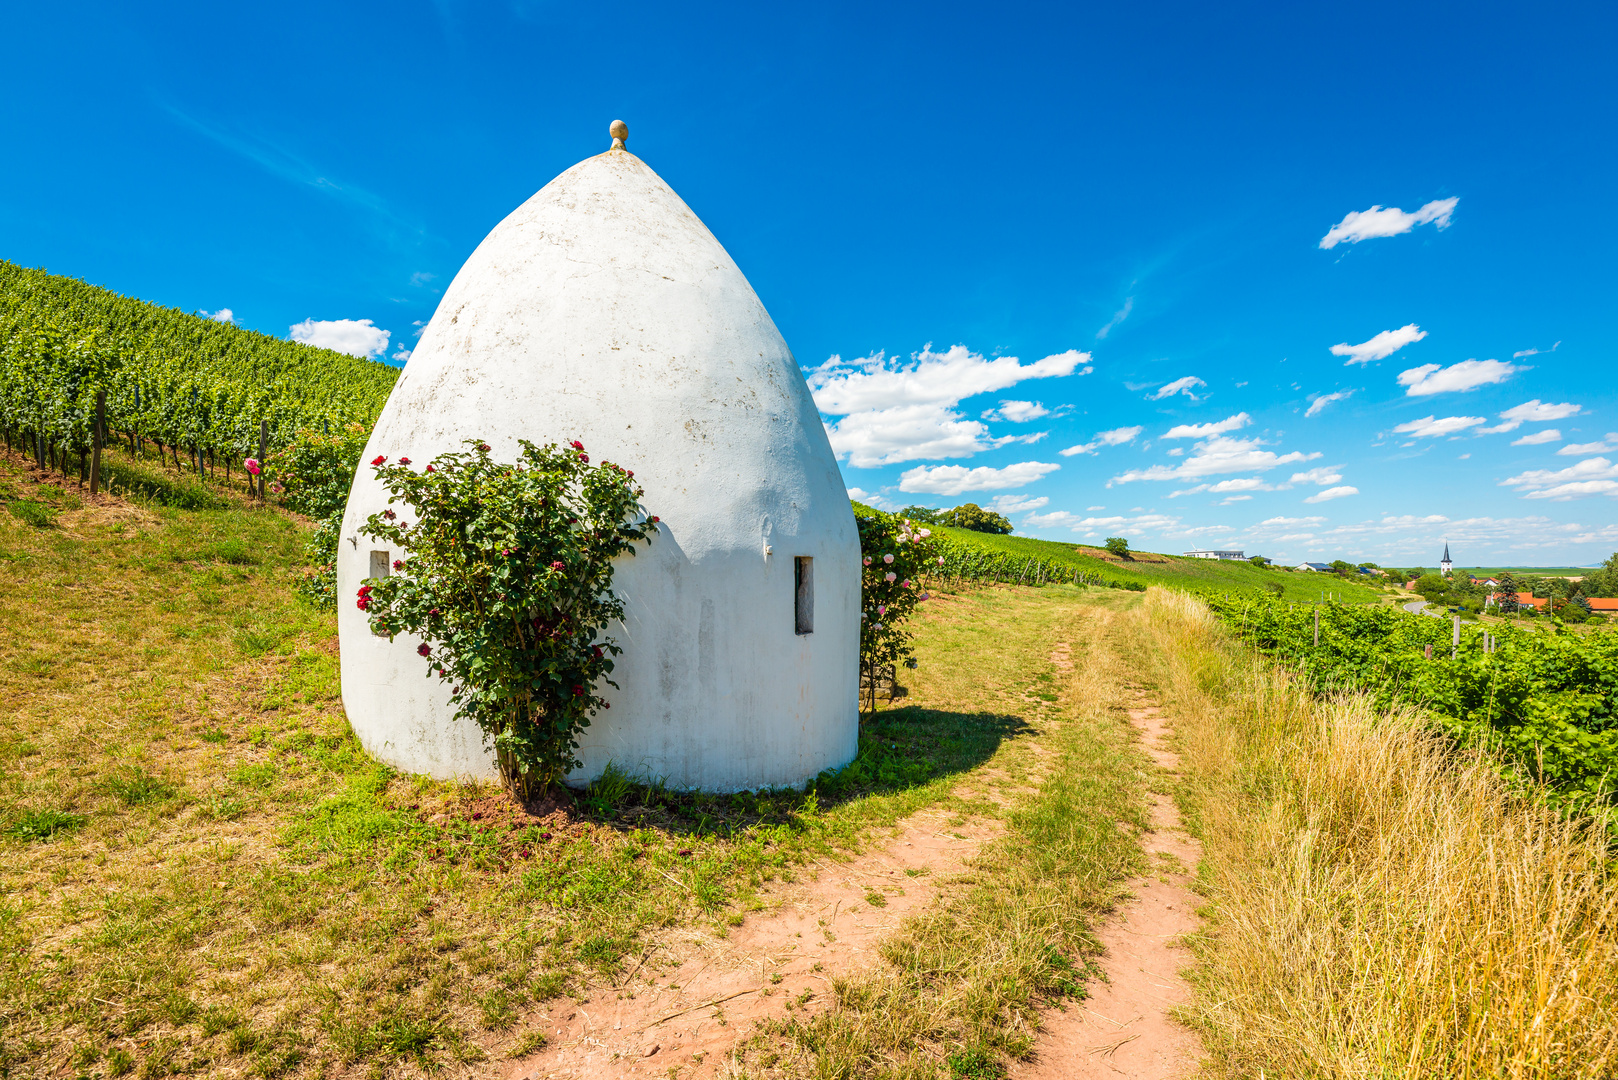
(169, 375)
(1173, 571)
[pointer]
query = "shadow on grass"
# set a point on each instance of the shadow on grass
(900, 750)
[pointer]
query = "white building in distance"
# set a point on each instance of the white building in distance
(1203, 554)
(603, 310)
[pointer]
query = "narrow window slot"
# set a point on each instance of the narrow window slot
(804, 572)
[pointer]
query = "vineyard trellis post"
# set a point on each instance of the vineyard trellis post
(1317, 628)
(1455, 640)
(263, 450)
(95, 441)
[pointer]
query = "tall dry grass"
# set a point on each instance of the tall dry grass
(1381, 904)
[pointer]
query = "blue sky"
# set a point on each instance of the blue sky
(1088, 264)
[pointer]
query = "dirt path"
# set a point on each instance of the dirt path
(1124, 1030)
(696, 994)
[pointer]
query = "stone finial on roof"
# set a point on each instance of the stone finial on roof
(620, 134)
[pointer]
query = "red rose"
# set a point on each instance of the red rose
(363, 603)
(585, 458)
(483, 447)
(558, 566)
(578, 691)
(429, 468)
(424, 649)
(404, 461)
(379, 460)
(398, 565)
(576, 444)
(655, 519)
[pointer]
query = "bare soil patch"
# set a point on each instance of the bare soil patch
(694, 995)
(1125, 1028)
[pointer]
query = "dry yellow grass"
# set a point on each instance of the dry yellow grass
(1381, 904)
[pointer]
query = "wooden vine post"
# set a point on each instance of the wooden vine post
(263, 448)
(95, 441)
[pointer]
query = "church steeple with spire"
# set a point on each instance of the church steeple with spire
(1444, 564)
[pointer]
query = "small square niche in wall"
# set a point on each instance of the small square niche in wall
(804, 608)
(379, 569)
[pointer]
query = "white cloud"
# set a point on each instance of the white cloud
(1592, 476)
(1428, 427)
(958, 479)
(1093, 509)
(420, 325)
(1391, 221)
(1538, 412)
(1290, 521)
(1466, 375)
(224, 314)
(1332, 493)
(421, 277)
(1576, 449)
(1202, 431)
(1380, 347)
(1117, 317)
(1018, 412)
(1220, 454)
(1245, 483)
(1016, 504)
(870, 498)
(357, 337)
(905, 433)
(1534, 352)
(1115, 437)
(1183, 385)
(1095, 526)
(895, 411)
(402, 355)
(1323, 475)
(1531, 412)
(877, 382)
(1538, 437)
(1319, 402)
(1234, 499)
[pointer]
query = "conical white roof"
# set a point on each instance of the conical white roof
(603, 310)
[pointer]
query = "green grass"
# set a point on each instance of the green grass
(202, 871)
(1175, 572)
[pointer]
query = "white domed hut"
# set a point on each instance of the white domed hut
(603, 310)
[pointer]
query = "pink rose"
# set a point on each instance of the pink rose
(889, 576)
(887, 558)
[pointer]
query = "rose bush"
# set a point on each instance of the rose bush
(507, 579)
(895, 552)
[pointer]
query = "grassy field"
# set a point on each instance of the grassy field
(201, 873)
(1380, 904)
(1173, 571)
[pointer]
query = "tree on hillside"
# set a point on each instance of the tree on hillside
(1432, 586)
(1342, 568)
(1258, 560)
(1602, 582)
(1118, 546)
(1506, 596)
(974, 517)
(921, 515)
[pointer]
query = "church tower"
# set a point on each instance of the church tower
(1444, 564)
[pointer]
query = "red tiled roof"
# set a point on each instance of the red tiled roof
(1603, 603)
